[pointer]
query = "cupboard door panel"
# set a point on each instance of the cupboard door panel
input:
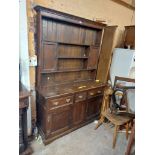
(93, 57)
(61, 119)
(90, 37)
(44, 29)
(51, 31)
(49, 56)
(106, 53)
(79, 112)
(93, 107)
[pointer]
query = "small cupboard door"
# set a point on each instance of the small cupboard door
(93, 107)
(49, 60)
(59, 119)
(79, 112)
(93, 57)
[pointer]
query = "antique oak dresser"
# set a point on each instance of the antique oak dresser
(68, 94)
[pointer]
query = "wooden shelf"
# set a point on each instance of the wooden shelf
(72, 57)
(74, 44)
(71, 70)
(65, 43)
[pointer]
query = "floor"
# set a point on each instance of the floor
(84, 141)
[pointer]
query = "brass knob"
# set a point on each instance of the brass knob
(55, 103)
(68, 100)
(80, 96)
(91, 94)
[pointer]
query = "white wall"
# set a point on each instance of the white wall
(23, 54)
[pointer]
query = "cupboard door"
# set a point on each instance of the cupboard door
(60, 119)
(106, 53)
(79, 112)
(93, 107)
(93, 57)
(49, 56)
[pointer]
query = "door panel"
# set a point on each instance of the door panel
(49, 56)
(106, 53)
(61, 119)
(79, 112)
(93, 57)
(94, 107)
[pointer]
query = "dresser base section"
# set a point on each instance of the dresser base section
(46, 141)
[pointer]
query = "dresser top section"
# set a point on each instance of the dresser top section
(56, 91)
(50, 13)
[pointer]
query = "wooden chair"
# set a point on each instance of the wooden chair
(122, 118)
(131, 141)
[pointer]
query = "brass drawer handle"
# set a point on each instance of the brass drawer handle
(68, 100)
(80, 96)
(48, 119)
(99, 91)
(56, 103)
(91, 94)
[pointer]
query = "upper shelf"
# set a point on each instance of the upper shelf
(70, 70)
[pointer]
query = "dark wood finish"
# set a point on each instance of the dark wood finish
(68, 96)
(52, 103)
(49, 54)
(79, 112)
(93, 56)
(59, 119)
(23, 105)
(95, 92)
(81, 96)
(94, 107)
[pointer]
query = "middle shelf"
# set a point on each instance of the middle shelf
(67, 57)
(69, 70)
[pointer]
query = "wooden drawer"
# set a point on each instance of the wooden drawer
(80, 96)
(95, 92)
(23, 103)
(59, 101)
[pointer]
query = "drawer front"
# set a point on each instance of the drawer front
(59, 101)
(95, 92)
(23, 103)
(80, 96)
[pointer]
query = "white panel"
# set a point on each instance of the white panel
(122, 61)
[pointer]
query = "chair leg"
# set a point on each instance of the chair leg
(115, 135)
(101, 120)
(127, 130)
(131, 140)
